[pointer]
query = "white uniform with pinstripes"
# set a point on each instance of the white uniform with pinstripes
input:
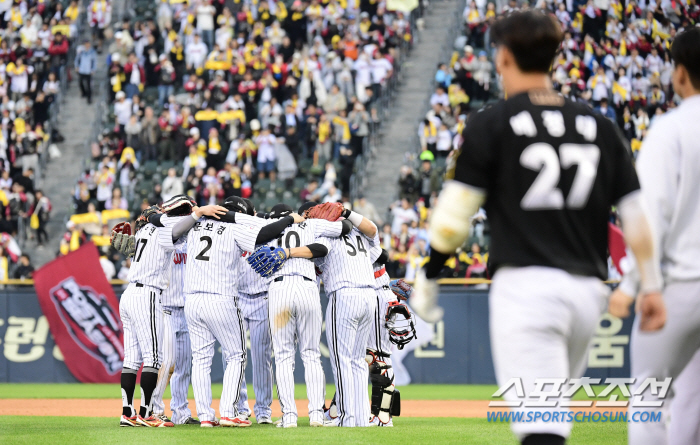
(139, 307)
(379, 337)
(177, 352)
(214, 249)
(252, 299)
(296, 317)
(349, 282)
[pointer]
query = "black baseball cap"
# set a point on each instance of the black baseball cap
(306, 206)
(251, 207)
(236, 204)
(280, 210)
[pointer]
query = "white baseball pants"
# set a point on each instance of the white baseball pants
(296, 317)
(142, 317)
(254, 313)
(541, 323)
(349, 320)
(177, 365)
(666, 353)
(212, 317)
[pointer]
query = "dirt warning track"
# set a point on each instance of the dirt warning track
(112, 408)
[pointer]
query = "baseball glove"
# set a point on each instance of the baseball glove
(329, 211)
(267, 260)
(401, 289)
(122, 240)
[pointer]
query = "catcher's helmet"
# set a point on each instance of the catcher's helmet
(142, 220)
(280, 210)
(179, 205)
(399, 323)
(306, 206)
(237, 204)
(251, 207)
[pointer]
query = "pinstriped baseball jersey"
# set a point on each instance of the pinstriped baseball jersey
(348, 263)
(302, 234)
(153, 256)
(173, 296)
(249, 281)
(213, 250)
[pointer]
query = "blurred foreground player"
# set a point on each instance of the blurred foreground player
(667, 165)
(547, 171)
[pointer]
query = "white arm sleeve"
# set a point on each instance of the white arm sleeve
(449, 222)
(639, 236)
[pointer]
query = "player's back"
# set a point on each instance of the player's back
(213, 250)
(348, 263)
(302, 234)
(153, 256)
(551, 169)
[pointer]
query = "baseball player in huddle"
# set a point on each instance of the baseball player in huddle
(349, 282)
(667, 166)
(295, 312)
(177, 353)
(214, 249)
(141, 312)
(392, 324)
(252, 300)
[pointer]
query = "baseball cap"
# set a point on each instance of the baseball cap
(280, 210)
(306, 206)
(236, 204)
(251, 207)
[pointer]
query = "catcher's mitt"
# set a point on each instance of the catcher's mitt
(329, 211)
(267, 260)
(401, 289)
(122, 240)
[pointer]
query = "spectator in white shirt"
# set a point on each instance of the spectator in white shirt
(600, 85)
(196, 53)
(381, 70)
(444, 141)
(440, 97)
(205, 22)
(402, 214)
(172, 185)
(122, 110)
(363, 76)
(266, 153)
(653, 63)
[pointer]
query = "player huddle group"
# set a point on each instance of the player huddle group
(206, 274)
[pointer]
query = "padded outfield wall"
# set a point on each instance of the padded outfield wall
(455, 350)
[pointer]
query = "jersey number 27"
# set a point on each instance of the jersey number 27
(544, 194)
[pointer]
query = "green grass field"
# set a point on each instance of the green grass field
(79, 430)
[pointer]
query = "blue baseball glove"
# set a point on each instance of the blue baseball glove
(401, 289)
(267, 260)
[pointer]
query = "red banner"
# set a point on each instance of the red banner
(617, 247)
(83, 315)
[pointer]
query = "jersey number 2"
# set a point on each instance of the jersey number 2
(543, 194)
(202, 255)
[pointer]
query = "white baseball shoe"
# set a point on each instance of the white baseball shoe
(264, 420)
(324, 422)
(287, 425)
(374, 421)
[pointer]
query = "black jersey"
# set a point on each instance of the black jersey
(551, 169)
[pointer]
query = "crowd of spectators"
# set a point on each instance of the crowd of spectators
(614, 58)
(267, 100)
(35, 42)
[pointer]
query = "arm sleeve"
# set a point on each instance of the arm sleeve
(182, 227)
(229, 217)
(318, 250)
(273, 230)
(165, 238)
(155, 219)
(473, 161)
